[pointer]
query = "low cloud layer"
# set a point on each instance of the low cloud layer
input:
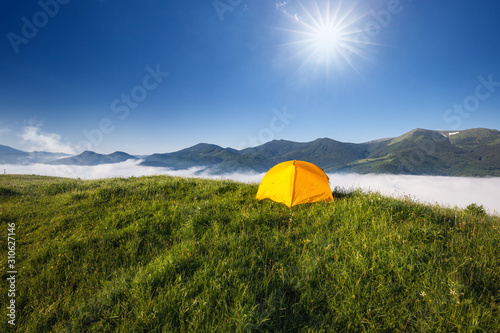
(447, 191)
(130, 168)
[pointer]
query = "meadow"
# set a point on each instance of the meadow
(172, 254)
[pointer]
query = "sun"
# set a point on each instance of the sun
(327, 39)
(325, 42)
(326, 36)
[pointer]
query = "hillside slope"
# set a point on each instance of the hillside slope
(217, 159)
(154, 254)
(474, 152)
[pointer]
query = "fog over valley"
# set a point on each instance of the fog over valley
(446, 191)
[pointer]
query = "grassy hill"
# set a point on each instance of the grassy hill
(473, 152)
(155, 254)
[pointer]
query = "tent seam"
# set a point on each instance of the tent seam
(293, 183)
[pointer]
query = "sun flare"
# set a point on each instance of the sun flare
(327, 36)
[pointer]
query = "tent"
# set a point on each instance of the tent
(295, 182)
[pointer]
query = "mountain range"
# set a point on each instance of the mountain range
(91, 158)
(473, 152)
(10, 155)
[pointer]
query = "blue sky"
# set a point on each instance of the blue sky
(158, 76)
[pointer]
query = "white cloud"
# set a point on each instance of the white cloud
(280, 4)
(447, 191)
(49, 142)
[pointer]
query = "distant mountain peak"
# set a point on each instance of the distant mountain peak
(87, 152)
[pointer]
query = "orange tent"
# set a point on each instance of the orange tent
(295, 182)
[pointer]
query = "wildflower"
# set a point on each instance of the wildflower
(423, 294)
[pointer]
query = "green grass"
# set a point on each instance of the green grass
(165, 254)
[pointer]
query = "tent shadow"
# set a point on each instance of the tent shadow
(343, 193)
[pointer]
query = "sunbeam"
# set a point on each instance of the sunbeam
(328, 37)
